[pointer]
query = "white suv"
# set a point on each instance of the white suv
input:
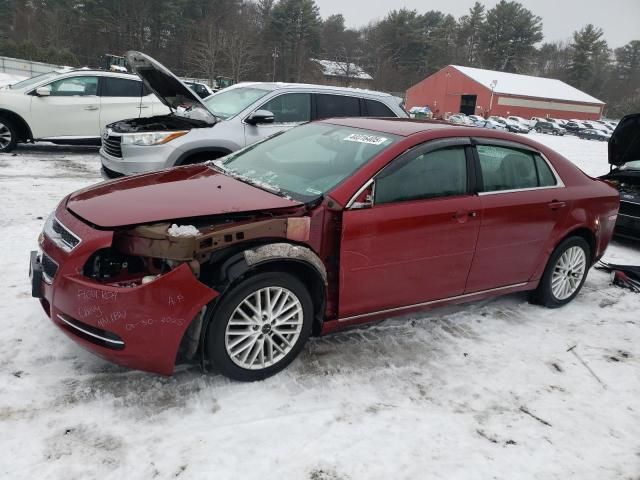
(71, 107)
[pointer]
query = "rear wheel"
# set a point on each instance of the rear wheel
(8, 135)
(565, 273)
(260, 326)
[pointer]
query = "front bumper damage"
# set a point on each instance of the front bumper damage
(138, 327)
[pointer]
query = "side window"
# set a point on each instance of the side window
(545, 175)
(378, 109)
(290, 107)
(74, 86)
(511, 169)
(435, 174)
(328, 106)
(120, 87)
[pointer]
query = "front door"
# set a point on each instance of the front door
(289, 110)
(522, 202)
(416, 243)
(71, 110)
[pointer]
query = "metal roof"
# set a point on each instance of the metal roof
(527, 85)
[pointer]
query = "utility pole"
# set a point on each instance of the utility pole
(274, 55)
(492, 85)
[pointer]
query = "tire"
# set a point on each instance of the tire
(538, 130)
(283, 348)
(576, 254)
(8, 135)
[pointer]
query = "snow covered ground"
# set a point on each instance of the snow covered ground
(485, 390)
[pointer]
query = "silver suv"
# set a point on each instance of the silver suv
(198, 129)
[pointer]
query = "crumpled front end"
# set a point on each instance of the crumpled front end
(121, 308)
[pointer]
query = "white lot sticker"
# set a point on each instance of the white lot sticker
(370, 139)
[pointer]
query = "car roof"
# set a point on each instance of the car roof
(307, 86)
(395, 126)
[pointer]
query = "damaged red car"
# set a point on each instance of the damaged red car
(332, 224)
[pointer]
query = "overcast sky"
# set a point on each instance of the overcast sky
(620, 19)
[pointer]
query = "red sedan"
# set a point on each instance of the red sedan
(334, 223)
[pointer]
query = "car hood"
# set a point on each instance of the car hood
(184, 192)
(624, 144)
(168, 88)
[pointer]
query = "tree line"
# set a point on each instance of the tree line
(276, 39)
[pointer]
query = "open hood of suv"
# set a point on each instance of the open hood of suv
(171, 195)
(624, 144)
(167, 87)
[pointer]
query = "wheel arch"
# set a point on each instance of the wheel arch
(587, 234)
(21, 123)
(244, 261)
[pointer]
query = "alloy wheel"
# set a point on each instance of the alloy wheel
(568, 273)
(5, 136)
(264, 328)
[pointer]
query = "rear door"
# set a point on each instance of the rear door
(289, 110)
(120, 99)
(416, 243)
(522, 201)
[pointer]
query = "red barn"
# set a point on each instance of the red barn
(486, 92)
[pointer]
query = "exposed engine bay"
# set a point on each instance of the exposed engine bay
(158, 123)
(141, 254)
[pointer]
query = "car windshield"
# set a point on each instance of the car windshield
(307, 161)
(228, 103)
(34, 80)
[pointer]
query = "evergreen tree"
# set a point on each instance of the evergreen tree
(468, 36)
(589, 60)
(509, 37)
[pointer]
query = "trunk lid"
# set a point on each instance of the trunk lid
(178, 193)
(169, 89)
(624, 144)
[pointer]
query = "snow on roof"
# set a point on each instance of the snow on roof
(342, 69)
(526, 85)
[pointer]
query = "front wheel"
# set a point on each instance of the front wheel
(565, 273)
(8, 135)
(260, 326)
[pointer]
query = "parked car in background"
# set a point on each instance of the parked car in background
(198, 129)
(573, 127)
(317, 229)
(71, 107)
(624, 158)
(510, 125)
(492, 125)
(476, 119)
(593, 134)
(521, 120)
(203, 90)
(549, 127)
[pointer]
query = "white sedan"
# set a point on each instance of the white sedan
(71, 107)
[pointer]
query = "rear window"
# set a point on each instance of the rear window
(121, 87)
(512, 169)
(378, 109)
(328, 106)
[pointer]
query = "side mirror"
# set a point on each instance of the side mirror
(260, 116)
(43, 91)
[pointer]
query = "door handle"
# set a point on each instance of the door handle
(462, 215)
(144, 106)
(556, 205)
(91, 107)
